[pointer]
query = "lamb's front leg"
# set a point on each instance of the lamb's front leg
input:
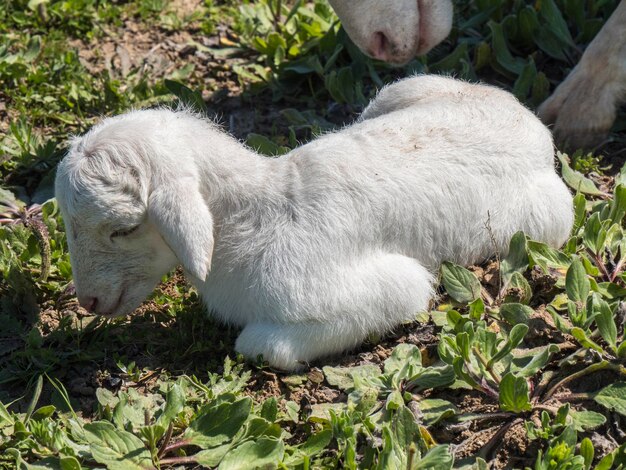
(584, 106)
(372, 296)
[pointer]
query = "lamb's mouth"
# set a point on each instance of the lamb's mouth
(113, 313)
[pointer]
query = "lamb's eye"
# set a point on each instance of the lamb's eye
(124, 233)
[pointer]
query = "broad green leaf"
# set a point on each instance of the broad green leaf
(344, 87)
(590, 268)
(43, 412)
(48, 463)
(364, 398)
(269, 409)
(610, 290)
(116, 448)
(550, 12)
(613, 397)
(518, 289)
(33, 49)
(439, 458)
(476, 309)
(528, 23)
(8, 199)
(537, 362)
(402, 356)
(212, 457)
(257, 427)
(561, 417)
(577, 284)
(541, 89)
(188, 97)
(455, 320)
(391, 455)
(619, 455)
(451, 60)
(584, 340)
(214, 425)
(174, 404)
(615, 240)
(69, 463)
(514, 394)
(435, 410)
(460, 283)
(264, 145)
(618, 204)
(516, 336)
(405, 428)
(131, 408)
(106, 398)
(549, 42)
(576, 180)
(503, 56)
(482, 55)
(460, 372)
(586, 420)
(515, 313)
(431, 377)
(292, 411)
(580, 211)
(316, 442)
(343, 377)
(594, 234)
(517, 258)
(524, 83)
(546, 256)
(620, 179)
(586, 450)
(320, 412)
(395, 400)
(605, 320)
(5, 417)
(264, 452)
(606, 463)
(463, 343)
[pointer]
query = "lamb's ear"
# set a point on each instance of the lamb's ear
(183, 219)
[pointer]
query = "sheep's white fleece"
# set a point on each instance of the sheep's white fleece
(312, 251)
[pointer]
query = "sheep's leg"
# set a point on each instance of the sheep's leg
(584, 106)
(373, 297)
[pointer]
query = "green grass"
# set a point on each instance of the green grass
(525, 356)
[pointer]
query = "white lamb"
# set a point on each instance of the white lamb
(312, 251)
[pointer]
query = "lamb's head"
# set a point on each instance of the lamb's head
(397, 30)
(130, 197)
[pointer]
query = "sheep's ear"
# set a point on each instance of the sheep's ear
(183, 219)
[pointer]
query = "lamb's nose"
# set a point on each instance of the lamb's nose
(88, 303)
(380, 46)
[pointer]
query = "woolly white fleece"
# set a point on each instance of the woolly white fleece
(312, 251)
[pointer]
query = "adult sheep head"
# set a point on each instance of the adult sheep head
(397, 30)
(133, 210)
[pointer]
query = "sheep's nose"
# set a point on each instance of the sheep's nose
(380, 46)
(88, 303)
